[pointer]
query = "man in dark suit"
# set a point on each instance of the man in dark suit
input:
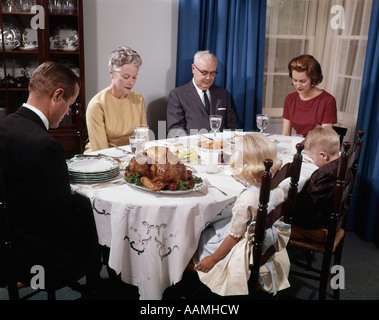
(190, 105)
(48, 228)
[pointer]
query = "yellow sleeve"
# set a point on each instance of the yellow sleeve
(95, 119)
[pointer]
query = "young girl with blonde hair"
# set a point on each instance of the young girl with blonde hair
(224, 251)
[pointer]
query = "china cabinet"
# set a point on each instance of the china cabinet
(34, 31)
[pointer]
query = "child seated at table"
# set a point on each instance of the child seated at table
(225, 246)
(314, 201)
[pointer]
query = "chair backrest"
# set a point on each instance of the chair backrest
(343, 191)
(7, 275)
(266, 219)
(341, 132)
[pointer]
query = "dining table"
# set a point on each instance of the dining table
(152, 236)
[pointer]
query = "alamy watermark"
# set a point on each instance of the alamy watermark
(38, 21)
(338, 280)
(338, 20)
(38, 280)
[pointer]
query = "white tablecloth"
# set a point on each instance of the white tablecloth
(151, 236)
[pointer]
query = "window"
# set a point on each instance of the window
(336, 38)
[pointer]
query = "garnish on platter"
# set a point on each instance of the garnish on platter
(215, 144)
(158, 169)
(184, 154)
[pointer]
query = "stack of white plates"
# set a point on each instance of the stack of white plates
(92, 169)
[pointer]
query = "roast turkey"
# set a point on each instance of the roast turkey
(158, 167)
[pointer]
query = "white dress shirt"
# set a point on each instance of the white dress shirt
(39, 113)
(201, 95)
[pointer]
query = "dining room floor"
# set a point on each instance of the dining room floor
(360, 260)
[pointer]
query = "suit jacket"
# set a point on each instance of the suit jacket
(314, 202)
(44, 227)
(186, 111)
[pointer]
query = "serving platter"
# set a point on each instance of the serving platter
(197, 187)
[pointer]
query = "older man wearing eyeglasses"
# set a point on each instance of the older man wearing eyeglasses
(190, 105)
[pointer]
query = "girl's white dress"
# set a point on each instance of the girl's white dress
(230, 275)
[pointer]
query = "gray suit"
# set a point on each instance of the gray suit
(186, 111)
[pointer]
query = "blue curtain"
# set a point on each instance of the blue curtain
(234, 30)
(365, 213)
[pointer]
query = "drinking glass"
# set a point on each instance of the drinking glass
(215, 123)
(142, 130)
(262, 121)
(137, 144)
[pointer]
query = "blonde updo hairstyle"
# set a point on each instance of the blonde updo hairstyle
(121, 56)
(251, 150)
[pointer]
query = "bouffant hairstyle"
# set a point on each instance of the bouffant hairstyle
(121, 56)
(308, 64)
(250, 152)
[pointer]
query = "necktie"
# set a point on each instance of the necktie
(206, 101)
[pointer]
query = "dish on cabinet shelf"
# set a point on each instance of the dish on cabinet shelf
(64, 38)
(29, 39)
(14, 67)
(28, 48)
(12, 36)
(17, 76)
(31, 67)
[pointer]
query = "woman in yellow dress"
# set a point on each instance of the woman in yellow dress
(113, 113)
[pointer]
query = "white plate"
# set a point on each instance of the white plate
(91, 164)
(168, 192)
(28, 48)
(70, 48)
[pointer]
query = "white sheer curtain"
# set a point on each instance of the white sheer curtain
(294, 27)
(343, 60)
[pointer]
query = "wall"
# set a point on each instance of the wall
(147, 26)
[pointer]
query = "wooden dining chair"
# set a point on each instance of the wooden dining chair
(8, 276)
(266, 219)
(341, 131)
(329, 242)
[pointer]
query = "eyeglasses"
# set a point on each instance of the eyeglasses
(206, 73)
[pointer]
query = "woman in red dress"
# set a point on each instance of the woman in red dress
(309, 106)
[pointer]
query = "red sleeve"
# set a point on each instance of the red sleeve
(330, 111)
(286, 108)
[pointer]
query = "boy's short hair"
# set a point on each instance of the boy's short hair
(325, 138)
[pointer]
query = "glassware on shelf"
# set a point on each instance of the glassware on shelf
(62, 6)
(26, 5)
(11, 6)
(69, 6)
